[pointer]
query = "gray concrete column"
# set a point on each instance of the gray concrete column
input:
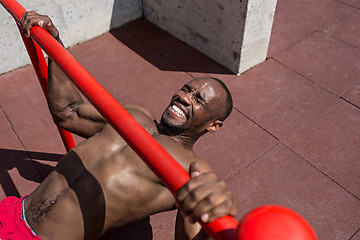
(234, 33)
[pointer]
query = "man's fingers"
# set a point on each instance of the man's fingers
(219, 211)
(27, 22)
(224, 207)
(204, 197)
(196, 196)
(40, 23)
(195, 169)
(23, 17)
(32, 18)
(194, 183)
(217, 199)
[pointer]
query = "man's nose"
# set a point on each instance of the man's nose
(185, 98)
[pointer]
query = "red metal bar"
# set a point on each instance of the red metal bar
(41, 70)
(153, 154)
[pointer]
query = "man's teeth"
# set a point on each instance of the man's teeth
(178, 111)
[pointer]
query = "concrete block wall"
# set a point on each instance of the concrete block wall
(77, 21)
(235, 33)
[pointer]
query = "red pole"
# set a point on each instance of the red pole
(41, 69)
(153, 154)
(39, 63)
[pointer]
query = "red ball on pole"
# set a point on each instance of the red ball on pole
(274, 223)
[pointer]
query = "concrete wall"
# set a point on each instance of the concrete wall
(234, 33)
(77, 21)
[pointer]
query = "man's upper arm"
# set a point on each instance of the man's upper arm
(83, 120)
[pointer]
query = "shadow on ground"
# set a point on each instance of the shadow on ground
(155, 45)
(25, 165)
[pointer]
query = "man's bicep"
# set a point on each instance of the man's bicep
(88, 111)
(86, 121)
(83, 120)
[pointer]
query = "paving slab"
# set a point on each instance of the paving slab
(152, 36)
(278, 99)
(282, 177)
(356, 236)
(167, 232)
(346, 30)
(25, 106)
(21, 97)
(331, 63)
(18, 175)
(147, 52)
(158, 221)
(234, 146)
(4, 123)
(197, 64)
(319, 14)
(286, 32)
(331, 142)
(354, 3)
(353, 95)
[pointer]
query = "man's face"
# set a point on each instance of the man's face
(194, 106)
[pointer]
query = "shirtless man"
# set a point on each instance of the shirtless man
(102, 184)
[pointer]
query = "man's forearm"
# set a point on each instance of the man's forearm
(62, 95)
(64, 100)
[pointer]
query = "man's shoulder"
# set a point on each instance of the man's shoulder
(136, 109)
(182, 155)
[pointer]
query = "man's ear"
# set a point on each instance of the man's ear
(214, 126)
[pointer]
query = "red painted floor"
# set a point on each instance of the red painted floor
(293, 138)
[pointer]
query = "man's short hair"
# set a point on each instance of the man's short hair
(228, 104)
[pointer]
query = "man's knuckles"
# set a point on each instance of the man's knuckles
(31, 19)
(204, 178)
(224, 209)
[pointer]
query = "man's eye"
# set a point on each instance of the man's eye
(185, 89)
(198, 100)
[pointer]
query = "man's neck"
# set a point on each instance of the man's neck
(185, 140)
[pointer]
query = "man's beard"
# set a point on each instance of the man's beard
(165, 126)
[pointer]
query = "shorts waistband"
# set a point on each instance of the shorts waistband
(23, 215)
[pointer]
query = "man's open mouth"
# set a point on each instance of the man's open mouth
(180, 113)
